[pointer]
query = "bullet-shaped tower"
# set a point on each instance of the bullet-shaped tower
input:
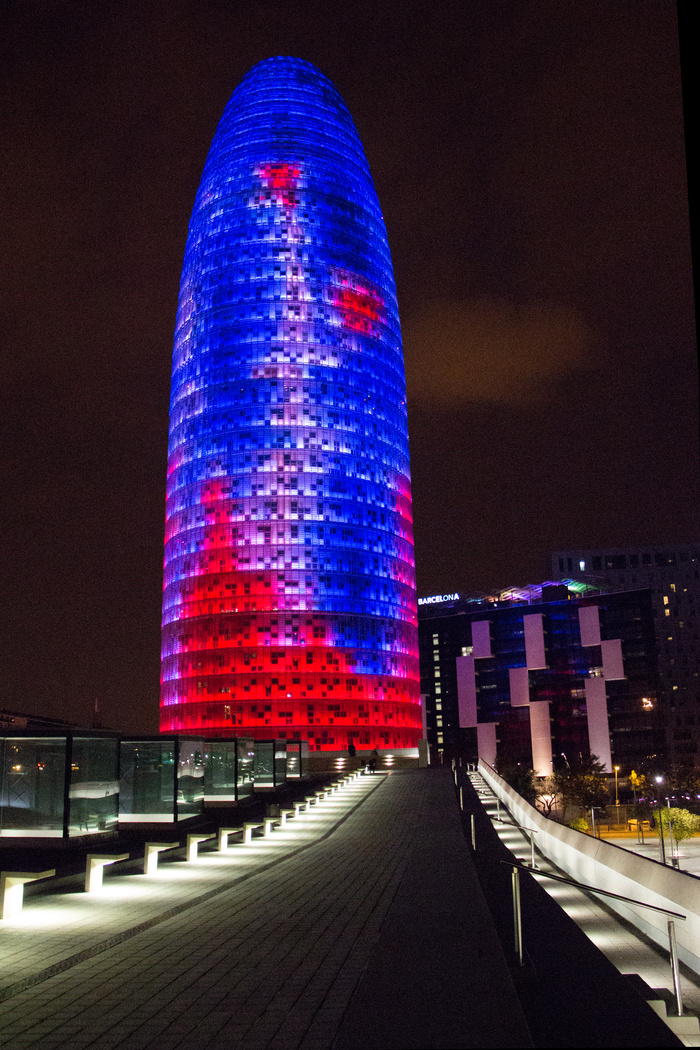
(289, 604)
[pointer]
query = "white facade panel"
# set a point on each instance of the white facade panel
(424, 714)
(481, 639)
(598, 728)
(486, 742)
(466, 691)
(535, 656)
(519, 686)
(541, 738)
(613, 667)
(589, 624)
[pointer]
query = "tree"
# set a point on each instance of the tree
(638, 783)
(520, 778)
(685, 781)
(584, 784)
(683, 822)
(547, 797)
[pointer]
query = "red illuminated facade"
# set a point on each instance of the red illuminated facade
(289, 597)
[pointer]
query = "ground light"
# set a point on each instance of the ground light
(12, 882)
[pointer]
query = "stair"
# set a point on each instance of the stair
(685, 1028)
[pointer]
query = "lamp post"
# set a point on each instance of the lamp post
(659, 781)
(617, 800)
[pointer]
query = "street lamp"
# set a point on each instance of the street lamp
(659, 781)
(617, 800)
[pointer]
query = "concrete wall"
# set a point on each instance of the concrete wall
(609, 867)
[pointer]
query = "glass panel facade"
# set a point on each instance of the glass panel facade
(147, 781)
(293, 760)
(289, 600)
(190, 776)
(264, 764)
(246, 755)
(93, 793)
(32, 786)
(304, 758)
(280, 762)
(228, 771)
(220, 770)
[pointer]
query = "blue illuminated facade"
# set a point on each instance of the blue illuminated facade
(289, 602)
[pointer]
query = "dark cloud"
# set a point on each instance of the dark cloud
(491, 351)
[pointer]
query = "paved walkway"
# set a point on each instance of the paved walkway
(265, 946)
(629, 951)
(688, 851)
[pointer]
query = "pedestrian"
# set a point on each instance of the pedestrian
(373, 759)
(352, 751)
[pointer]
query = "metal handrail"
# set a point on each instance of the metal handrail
(521, 827)
(593, 889)
(517, 867)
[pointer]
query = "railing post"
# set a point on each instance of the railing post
(674, 966)
(473, 832)
(517, 916)
(498, 808)
(461, 797)
(532, 849)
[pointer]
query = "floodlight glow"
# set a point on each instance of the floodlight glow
(150, 855)
(193, 842)
(223, 836)
(12, 885)
(95, 863)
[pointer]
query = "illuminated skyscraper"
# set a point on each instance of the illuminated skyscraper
(289, 603)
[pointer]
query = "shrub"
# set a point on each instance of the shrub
(684, 823)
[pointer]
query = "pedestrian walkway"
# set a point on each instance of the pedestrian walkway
(57, 927)
(266, 945)
(628, 950)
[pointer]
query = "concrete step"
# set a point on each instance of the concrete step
(687, 1027)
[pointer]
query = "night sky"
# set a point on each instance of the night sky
(529, 159)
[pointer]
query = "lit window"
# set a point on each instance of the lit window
(665, 599)
(667, 612)
(582, 565)
(437, 672)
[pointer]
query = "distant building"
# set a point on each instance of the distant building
(542, 675)
(11, 720)
(672, 574)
